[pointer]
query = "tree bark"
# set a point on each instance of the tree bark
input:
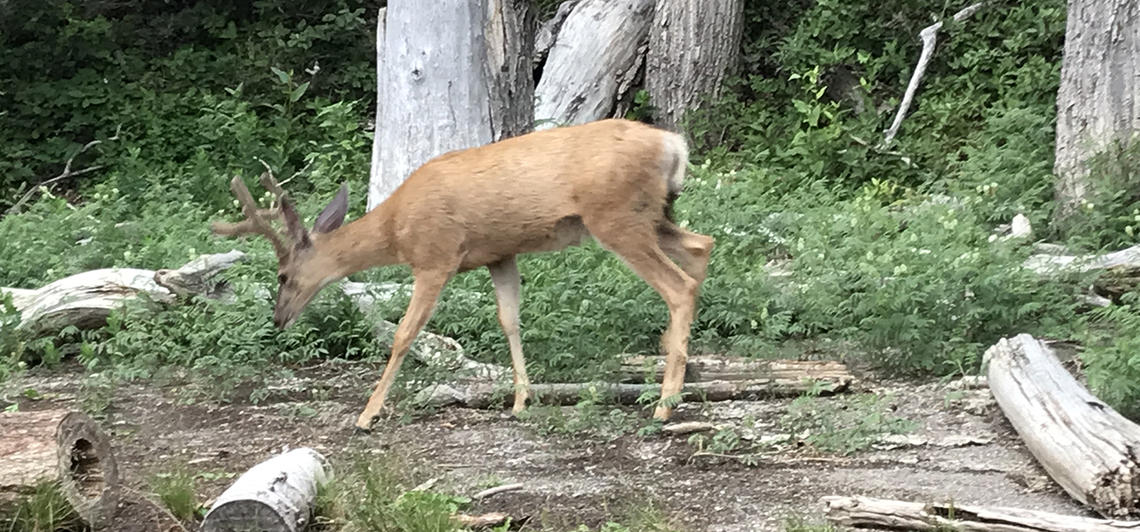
(466, 82)
(277, 495)
(62, 447)
(1092, 451)
(693, 46)
(1098, 103)
(593, 62)
(884, 513)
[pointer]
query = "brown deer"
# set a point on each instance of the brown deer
(614, 180)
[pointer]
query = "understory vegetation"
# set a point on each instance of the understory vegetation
(829, 245)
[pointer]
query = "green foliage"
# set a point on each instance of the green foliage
(45, 509)
(176, 491)
(1109, 217)
(842, 424)
(375, 494)
(1112, 354)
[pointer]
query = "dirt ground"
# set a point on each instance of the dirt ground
(963, 451)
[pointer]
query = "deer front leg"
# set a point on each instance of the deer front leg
(425, 293)
(505, 277)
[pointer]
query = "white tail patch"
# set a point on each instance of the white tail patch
(675, 157)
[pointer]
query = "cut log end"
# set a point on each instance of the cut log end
(61, 447)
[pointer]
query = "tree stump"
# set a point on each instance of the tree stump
(62, 447)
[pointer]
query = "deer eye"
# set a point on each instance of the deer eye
(282, 278)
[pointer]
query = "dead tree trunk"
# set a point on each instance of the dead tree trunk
(277, 495)
(693, 46)
(903, 515)
(706, 368)
(61, 447)
(1098, 103)
(1087, 447)
(593, 62)
(465, 82)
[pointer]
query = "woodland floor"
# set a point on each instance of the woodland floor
(975, 457)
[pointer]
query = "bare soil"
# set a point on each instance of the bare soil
(963, 451)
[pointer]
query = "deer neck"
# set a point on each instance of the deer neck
(364, 243)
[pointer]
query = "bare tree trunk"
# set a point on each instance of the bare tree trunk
(593, 62)
(693, 46)
(452, 76)
(1098, 103)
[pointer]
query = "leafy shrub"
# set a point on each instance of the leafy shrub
(1112, 354)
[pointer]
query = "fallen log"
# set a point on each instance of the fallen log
(548, 32)
(277, 495)
(593, 62)
(1120, 270)
(86, 299)
(483, 394)
(1083, 444)
(704, 368)
(903, 515)
(60, 447)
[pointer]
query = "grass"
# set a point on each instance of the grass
(801, 524)
(176, 491)
(44, 510)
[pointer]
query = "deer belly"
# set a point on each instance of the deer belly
(566, 232)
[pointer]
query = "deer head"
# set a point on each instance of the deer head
(302, 268)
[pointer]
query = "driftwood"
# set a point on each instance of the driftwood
(593, 62)
(903, 515)
(929, 36)
(483, 394)
(277, 495)
(62, 447)
(86, 299)
(1087, 447)
(1120, 270)
(831, 375)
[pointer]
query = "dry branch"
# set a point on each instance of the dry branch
(66, 173)
(885, 513)
(1085, 445)
(277, 495)
(63, 447)
(706, 368)
(489, 395)
(929, 36)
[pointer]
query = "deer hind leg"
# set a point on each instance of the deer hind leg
(505, 277)
(689, 250)
(639, 247)
(425, 293)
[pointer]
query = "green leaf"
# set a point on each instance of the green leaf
(298, 92)
(282, 76)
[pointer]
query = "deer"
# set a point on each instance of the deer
(612, 180)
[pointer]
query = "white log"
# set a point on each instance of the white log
(277, 495)
(1083, 444)
(86, 299)
(1121, 269)
(450, 77)
(705, 368)
(593, 62)
(482, 394)
(929, 36)
(883, 513)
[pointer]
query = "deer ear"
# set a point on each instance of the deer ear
(297, 231)
(333, 215)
